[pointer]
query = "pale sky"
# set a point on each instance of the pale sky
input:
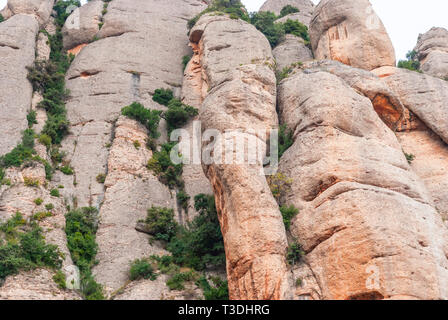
(404, 19)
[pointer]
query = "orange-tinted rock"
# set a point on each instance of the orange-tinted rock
(242, 97)
(350, 32)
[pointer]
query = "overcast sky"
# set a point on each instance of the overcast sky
(404, 19)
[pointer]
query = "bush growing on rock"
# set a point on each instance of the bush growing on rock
(168, 173)
(163, 96)
(149, 118)
(200, 244)
(178, 114)
(232, 7)
(295, 253)
(80, 228)
(142, 269)
(160, 223)
(288, 10)
(25, 250)
(218, 290)
(285, 140)
(411, 63)
(1, 18)
(288, 213)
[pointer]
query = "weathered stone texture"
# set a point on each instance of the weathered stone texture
(350, 32)
(130, 190)
(242, 96)
(17, 47)
(306, 8)
(432, 50)
(291, 49)
(83, 24)
(365, 218)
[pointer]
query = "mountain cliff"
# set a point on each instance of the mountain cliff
(320, 171)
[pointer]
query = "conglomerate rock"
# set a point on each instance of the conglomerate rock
(432, 50)
(366, 221)
(241, 96)
(350, 32)
(306, 8)
(17, 51)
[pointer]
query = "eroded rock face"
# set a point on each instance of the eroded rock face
(432, 50)
(83, 24)
(17, 51)
(386, 103)
(366, 221)
(40, 9)
(291, 49)
(241, 95)
(130, 190)
(140, 50)
(425, 96)
(350, 32)
(424, 134)
(306, 8)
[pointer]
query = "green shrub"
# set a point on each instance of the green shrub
(232, 7)
(185, 61)
(45, 140)
(1, 18)
(218, 290)
(161, 224)
(409, 157)
(20, 154)
(54, 193)
(25, 250)
(49, 206)
(178, 114)
(288, 10)
(288, 213)
(30, 182)
(80, 228)
(163, 96)
(38, 201)
(285, 140)
(264, 21)
(200, 245)
(149, 118)
(168, 173)
(142, 269)
(296, 28)
(182, 199)
(60, 280)
(67, 170)
(31, 118)
(137, 144)
(411, 63)
(101, 178)
(42, 215)
(295, 253)
(177, 282)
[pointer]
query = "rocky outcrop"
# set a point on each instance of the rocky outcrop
(290, 50)
(424, 133)
(425, 96)
(386, 103)
(40, 9)
(306, 8)
(83, 24)
(17, 51)
(432, 50)
(350, 32)
(366, 221)
(130, 190)
(241, 96)
(140, 49)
